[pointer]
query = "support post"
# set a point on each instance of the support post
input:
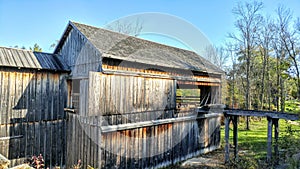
(276, 133)
(269, 146)
(235, 137)
(227, 122)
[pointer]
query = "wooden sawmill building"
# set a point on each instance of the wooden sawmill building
(108, 99)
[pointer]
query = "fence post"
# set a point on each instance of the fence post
(276, 133)
(235, 137)
(227, 122)
(269, 147)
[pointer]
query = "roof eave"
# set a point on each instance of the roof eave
(63, 37)
(110, 56)
(34, 68)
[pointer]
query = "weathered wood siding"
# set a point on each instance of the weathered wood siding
(129, 99)
(83, 140)
(32, 119)
(80, 54)
(132, 122)
(139, 147)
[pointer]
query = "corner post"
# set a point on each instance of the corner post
(227, 122)
(269, 146)
(235, 137)
(276, 133)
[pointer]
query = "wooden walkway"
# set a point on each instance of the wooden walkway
(232, 115)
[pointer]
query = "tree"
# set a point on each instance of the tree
(216, 55)
(16, 46)
(298, 25)
(231, 74)
(36, 48)
(53, 45)
(266, 35)
(133, 28)
(247, 24)
(265, 69)
(290, 41)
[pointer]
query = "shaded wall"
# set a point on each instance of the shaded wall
(32, 119)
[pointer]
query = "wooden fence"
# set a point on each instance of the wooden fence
(32, 120)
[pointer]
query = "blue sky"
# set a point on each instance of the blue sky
(24, 23)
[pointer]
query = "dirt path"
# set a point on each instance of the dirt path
(215, 160)
(210, 160)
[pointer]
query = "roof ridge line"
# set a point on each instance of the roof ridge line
(16, 48)
(136, 37)
(27, 50)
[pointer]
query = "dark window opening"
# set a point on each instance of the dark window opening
(76, 86)
(75, 94)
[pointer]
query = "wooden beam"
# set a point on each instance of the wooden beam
(271, 114)
(70, 110)
(213, 81)
(227, 122)
(11, 137)
(112, 128)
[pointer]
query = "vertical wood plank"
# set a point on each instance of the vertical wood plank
(1, 100)
(235, 136)
(269, 143)
(276, 134)
(128, 148)
(227, 122)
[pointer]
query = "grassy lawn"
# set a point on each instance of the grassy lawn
(253, 143)
(292, 106)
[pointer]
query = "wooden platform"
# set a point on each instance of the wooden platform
(273, 117)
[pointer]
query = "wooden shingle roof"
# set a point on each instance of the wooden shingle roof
(11, 57)
(120, 46)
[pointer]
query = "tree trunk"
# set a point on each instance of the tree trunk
(269, 85)
(265, 56)
(233, 87)
(297, 74)
(248, 102)
(278, 82)
(282, 95)
(298, 88)
(298, 78)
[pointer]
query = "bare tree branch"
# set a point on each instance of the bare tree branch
(133, 28)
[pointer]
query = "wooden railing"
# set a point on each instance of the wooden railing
(187, 101)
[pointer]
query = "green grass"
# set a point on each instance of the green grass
(292, 106)
(252, 143)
